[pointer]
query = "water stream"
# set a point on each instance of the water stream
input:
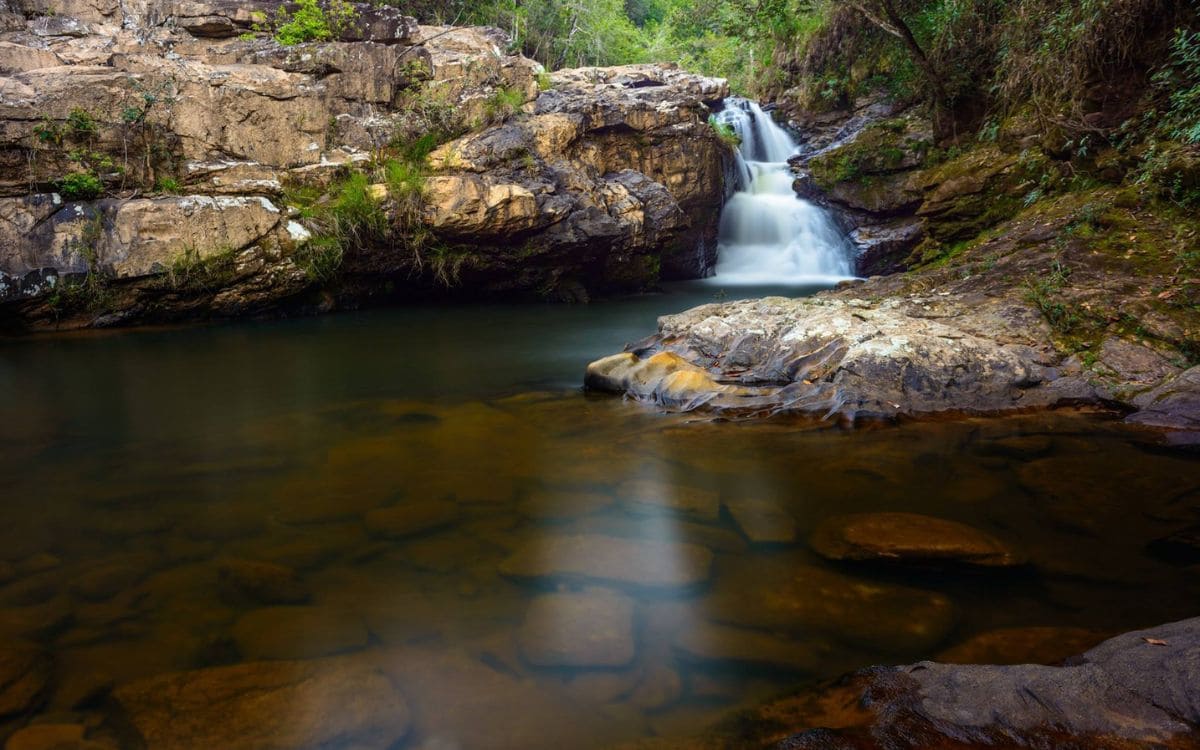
(768, 234)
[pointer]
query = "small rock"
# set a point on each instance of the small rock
(107, 580)
(720, 644)
(909, 538)
(261, 582)
(762, 521)
(407, 519)
(602, 686)
(1033, 645)
(24, 672)
(651, 496)
(268, 706)
(297, 633)
(46, 737)
(635, 562)
(592, 629)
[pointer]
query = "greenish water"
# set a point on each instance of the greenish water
(532, 563)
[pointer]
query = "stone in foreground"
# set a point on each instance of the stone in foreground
(591, 629)
(1138, 690)
(268, 706)
(632, 562)
(910, 538)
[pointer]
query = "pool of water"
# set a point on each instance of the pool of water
(427, 491)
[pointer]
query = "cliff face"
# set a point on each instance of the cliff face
(163, 160)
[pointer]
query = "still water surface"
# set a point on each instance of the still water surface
(429, 489)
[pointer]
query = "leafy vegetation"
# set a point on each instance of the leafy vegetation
(313, 21)
(80, 186)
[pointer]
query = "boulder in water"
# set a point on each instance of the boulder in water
(910, 538)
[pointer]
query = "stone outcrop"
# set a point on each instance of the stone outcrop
(1135, 690)
(1015, 321)
(141, 139)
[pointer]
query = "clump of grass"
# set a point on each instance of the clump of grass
(503, 104)
(191, 271)
(80, 186)
(725, 133)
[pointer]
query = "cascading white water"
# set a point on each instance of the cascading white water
(768, 234)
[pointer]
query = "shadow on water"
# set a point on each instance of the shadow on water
(427, 495)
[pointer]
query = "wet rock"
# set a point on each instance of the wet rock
(36, 621)
(1174, 404)
(633, 562)
(659, 687)
(109, 579)
(762, 520)
(788, 596)
(644, 496)
(297, 633)
(590, 629)
(322, 703)
(1179, 548)
(601, 687)
(561, 504)
(461, 702)
(910, 538)
(261, 582)
(48, 737)
(25, 672)
(712, 644)
(407, 519)
(1032, 645)
(1135, 690)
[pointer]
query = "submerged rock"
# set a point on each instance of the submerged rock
(261, 582)
(25, 671)
(1032, 645)
(712, 644)
(643, 496)
(788, 596)
(267, 705)
(763, 521)
(910, 538)
(590, 629)
(633, 562)
(297, 633)
(409, 518)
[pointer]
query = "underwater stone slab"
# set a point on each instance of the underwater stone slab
(721, 644)
(634, 562)
(261, 582)
(762, 521)
(910, 538)
(648, 496)
(24, 672)
(268, 706)
(407, 519)
(590, 629)
(1031, 645)
(789, 596)
(297, 633)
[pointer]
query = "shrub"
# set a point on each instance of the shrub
(312, 22)
(168, 185)
(80, 186)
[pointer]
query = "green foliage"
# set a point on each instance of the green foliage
(196, 273)
(1044, 293)
(82, 124)
(168, 185)
(314, 21)
(726, 133)
(321, 259)
(1181, 79)
(503, 104)
(80, 186)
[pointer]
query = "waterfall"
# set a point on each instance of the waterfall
(768, 234)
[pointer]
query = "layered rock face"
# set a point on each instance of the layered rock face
(145, 143)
